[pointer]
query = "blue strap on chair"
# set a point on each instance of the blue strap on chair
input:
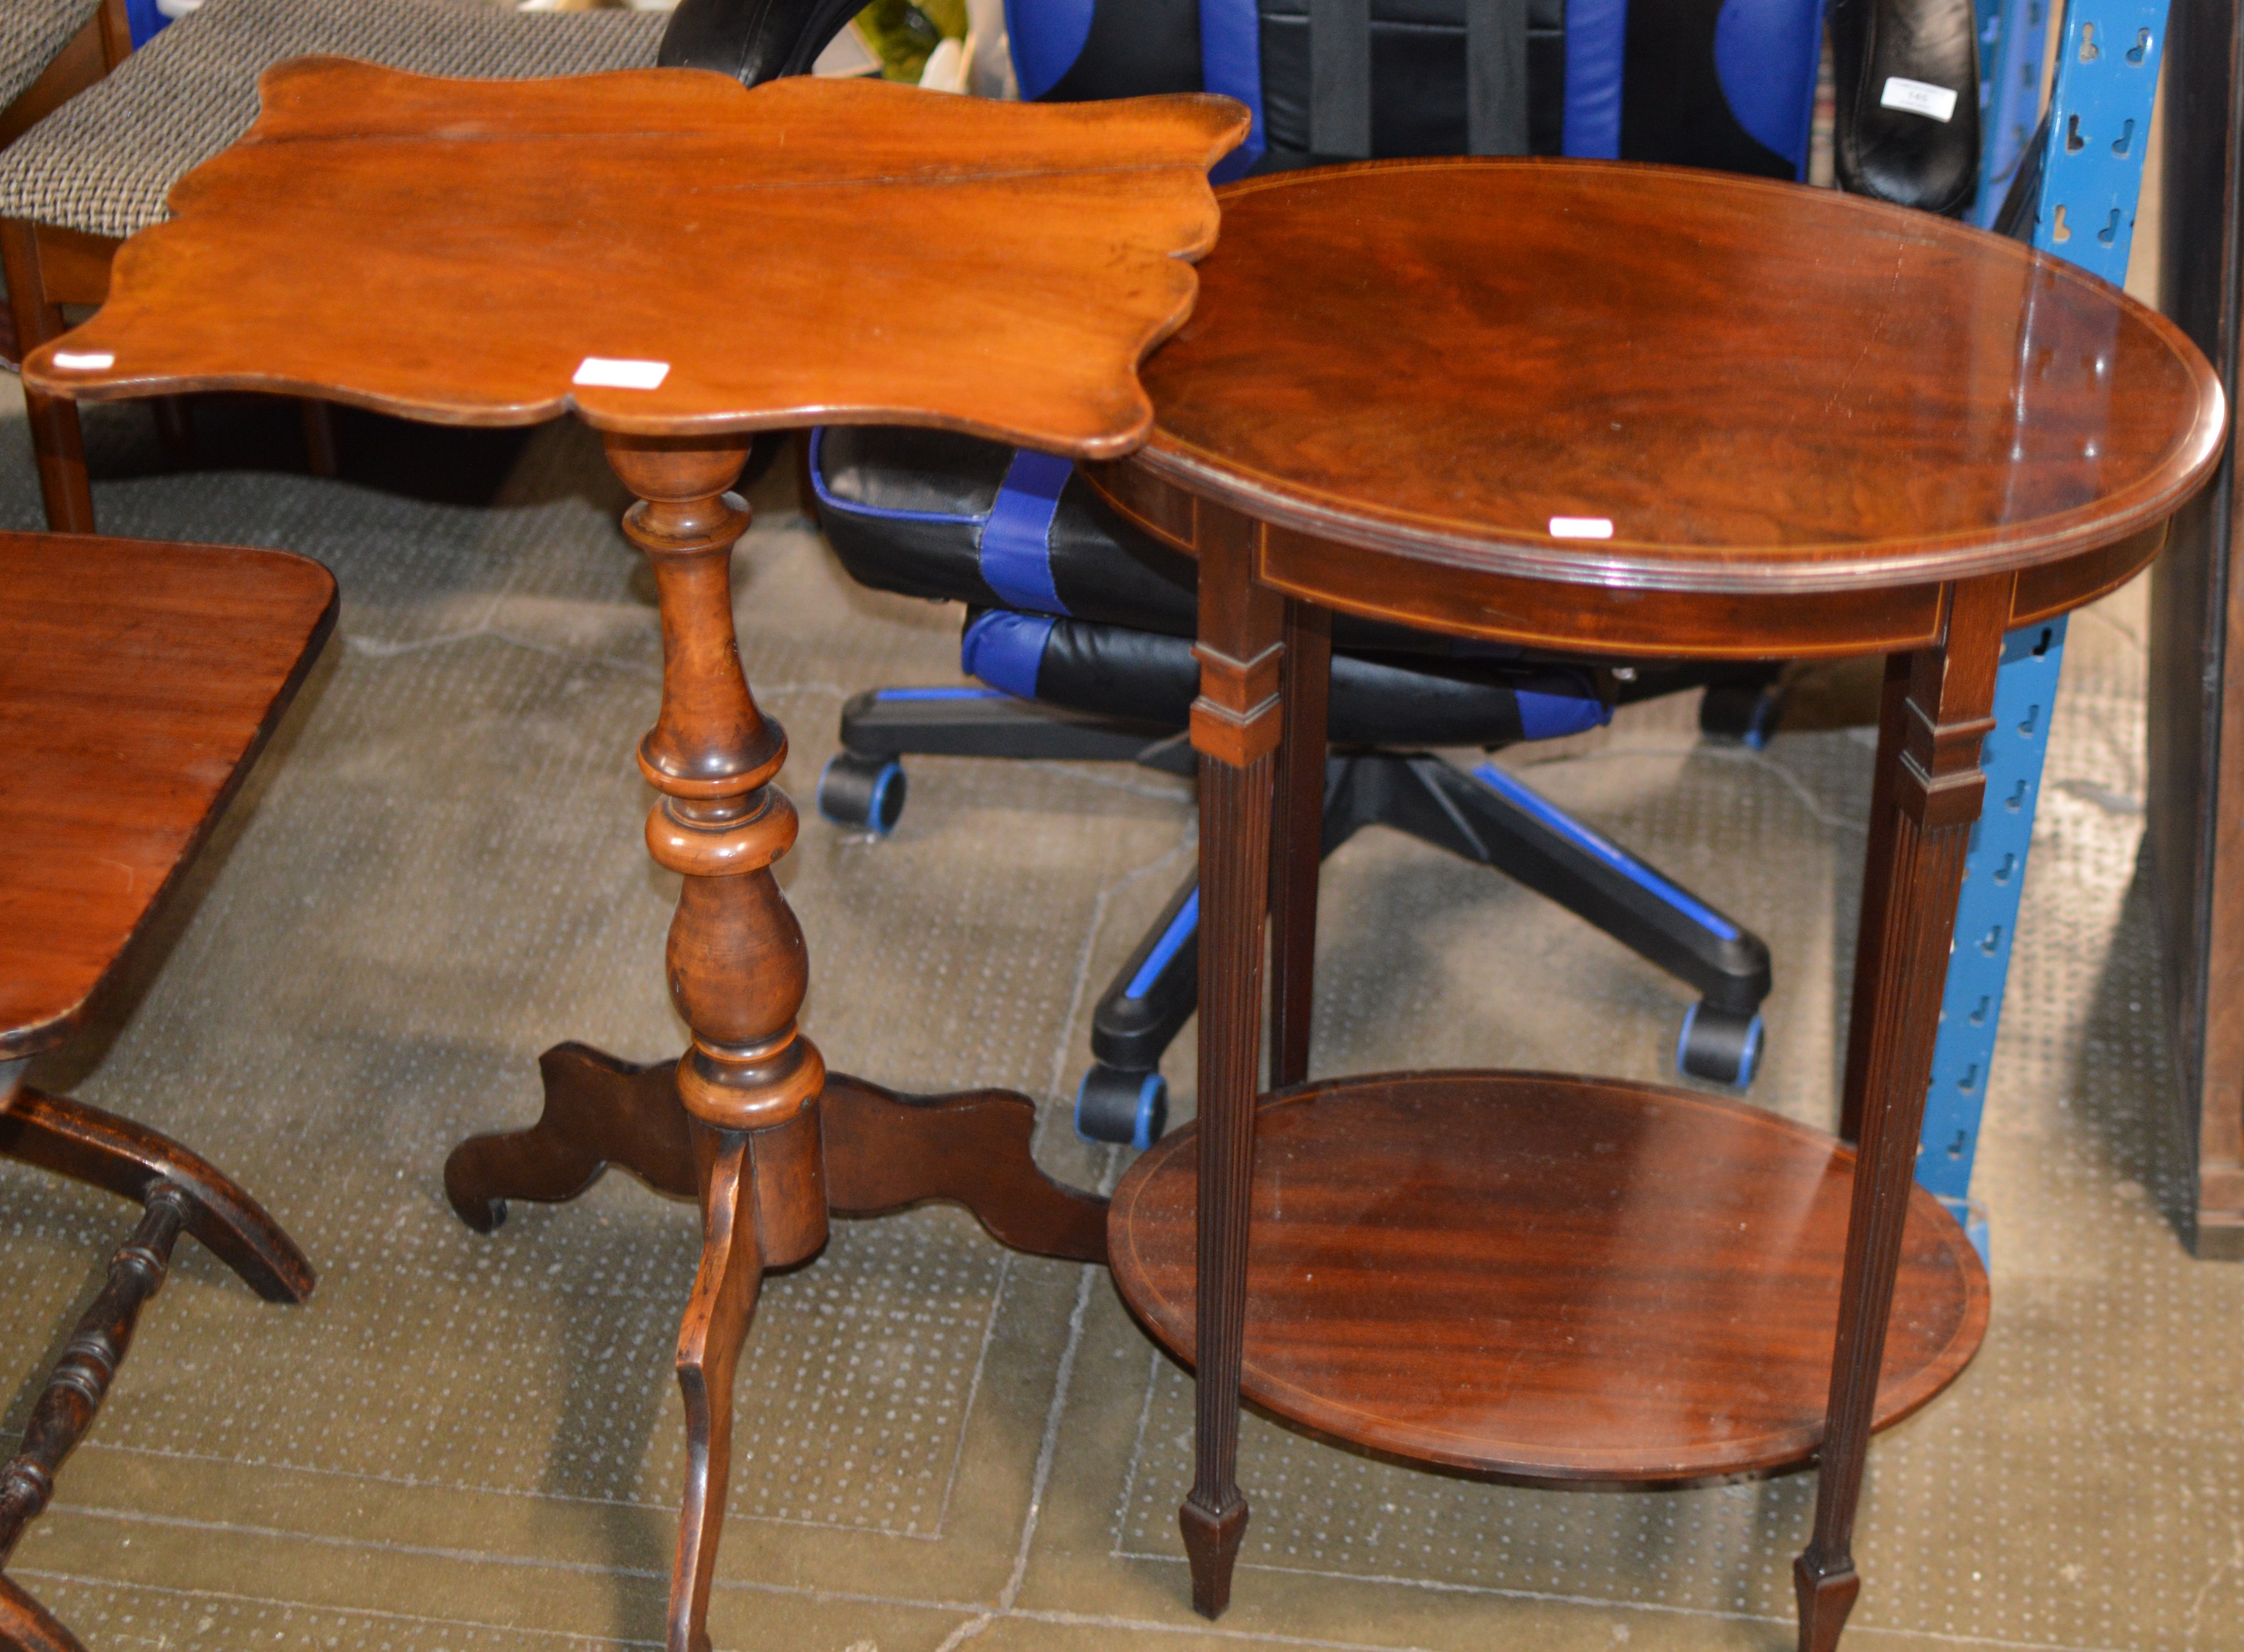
(1230, 63)
(1006, 649)
(1017, 535)
(1751, 35)
(1014, 543)
(2091, 174)
(1597, 44)
(143, 18)
(1043, 53)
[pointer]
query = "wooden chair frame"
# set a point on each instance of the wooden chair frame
(105, 42)
(47, 267)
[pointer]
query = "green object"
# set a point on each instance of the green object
(902, 34)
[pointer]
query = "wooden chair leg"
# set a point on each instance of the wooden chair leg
(59, 450)
(25, 1626)
(103, 1151)
(599, 1111)
(57, 444)
(884, 1151)
(66, 1407)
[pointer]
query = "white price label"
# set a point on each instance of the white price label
(620, 374)
(1919, 97)
(1581, 527)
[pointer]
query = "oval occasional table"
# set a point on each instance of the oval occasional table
(1629, 413)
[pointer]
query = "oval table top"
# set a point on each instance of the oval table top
(1645, 377)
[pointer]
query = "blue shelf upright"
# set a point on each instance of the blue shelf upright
(2093, 140)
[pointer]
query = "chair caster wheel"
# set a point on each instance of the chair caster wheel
(1719, 1045)
(1114, 1105)
(864, 792)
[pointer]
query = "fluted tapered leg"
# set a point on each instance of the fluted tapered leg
(1235, 724)
(1869, 930)
(1933, 790)
(1297, 839)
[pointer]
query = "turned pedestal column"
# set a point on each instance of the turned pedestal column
(747, 1121)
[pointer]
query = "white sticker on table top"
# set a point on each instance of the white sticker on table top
(1919, 97)
(619, 373)
(84, 361)
(1581, 527)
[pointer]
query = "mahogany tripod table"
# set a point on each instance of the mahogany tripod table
(138, 683)
(1629, 413)
(685, 262)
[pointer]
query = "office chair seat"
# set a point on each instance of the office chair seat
(1080, 625)
(32, 32)
(103, 163)
(1091, 614)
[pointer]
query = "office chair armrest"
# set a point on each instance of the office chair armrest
(753, 40)
(1899, 137)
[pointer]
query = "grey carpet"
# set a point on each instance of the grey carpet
(467, 1443)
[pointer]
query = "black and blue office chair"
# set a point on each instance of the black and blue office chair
(1081, 627)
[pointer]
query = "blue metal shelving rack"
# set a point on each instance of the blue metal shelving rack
(2101, 92)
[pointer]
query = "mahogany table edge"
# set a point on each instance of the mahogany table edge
(1738, 573)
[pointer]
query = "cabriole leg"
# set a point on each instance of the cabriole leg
(886, 1151)
(759, 1189)
(599, 1111)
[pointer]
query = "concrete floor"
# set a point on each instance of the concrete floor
(467, 1443)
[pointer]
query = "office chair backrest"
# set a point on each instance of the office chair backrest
(1699, 82)
(1724, 83)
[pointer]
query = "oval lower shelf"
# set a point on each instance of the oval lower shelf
(1557, 1278)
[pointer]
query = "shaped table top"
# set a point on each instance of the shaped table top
(807, 250)
(1643, 376)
